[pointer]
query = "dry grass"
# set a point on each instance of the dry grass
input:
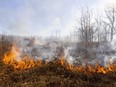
(53, 75)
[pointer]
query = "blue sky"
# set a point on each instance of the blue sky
(42, 17)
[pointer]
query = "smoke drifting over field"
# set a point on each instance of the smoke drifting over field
(57, 43)
(50, 49)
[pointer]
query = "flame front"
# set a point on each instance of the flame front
(23, 63)
(26, 62)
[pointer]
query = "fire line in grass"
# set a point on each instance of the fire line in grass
(26, 62)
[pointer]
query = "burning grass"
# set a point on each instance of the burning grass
(26, 62)
(27, 72)
(54, 75)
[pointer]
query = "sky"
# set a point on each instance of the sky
(44, 17)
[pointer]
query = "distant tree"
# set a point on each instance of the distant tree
(111, 20)
(105, 32)
(86, 30)
(98, 26)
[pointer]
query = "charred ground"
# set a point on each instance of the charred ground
(53, 75)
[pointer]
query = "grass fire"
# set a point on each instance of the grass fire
(57, 43)
(26, 62)
(30, 72)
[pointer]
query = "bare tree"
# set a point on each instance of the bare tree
(105, 33)
(98, 25)
(86, 29)
(111, 20)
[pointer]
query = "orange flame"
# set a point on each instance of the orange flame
(23, 63)
(26, 62)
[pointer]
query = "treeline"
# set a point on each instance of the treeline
(94, 30)
(91, 27)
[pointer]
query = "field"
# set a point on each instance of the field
(58, 43)
(53, 74)
(56, 73)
